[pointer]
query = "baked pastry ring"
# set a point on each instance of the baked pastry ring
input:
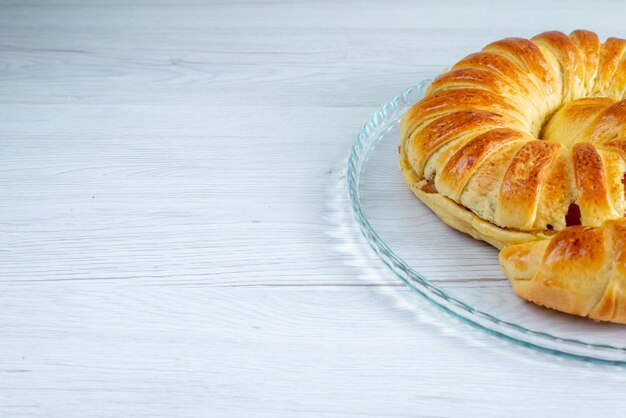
(523, 145)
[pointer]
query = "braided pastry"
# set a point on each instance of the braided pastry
(523, 145)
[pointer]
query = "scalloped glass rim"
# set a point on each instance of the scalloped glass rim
(381, 122)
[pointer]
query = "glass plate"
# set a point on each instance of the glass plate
(450, 269)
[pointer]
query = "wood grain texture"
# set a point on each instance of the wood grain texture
(175, 241)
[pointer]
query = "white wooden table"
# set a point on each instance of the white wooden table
(173, 238)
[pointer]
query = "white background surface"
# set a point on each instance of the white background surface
(174, 241)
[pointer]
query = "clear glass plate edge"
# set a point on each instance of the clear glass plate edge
(372, 132)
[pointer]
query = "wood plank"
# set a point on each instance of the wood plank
(113, 348)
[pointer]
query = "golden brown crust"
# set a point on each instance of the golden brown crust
(512, 142)
(472, 78)
(610, 56)
(607, 125)
(425, 141)
(464, 163)
(453, 100)
(612, 305)
(569, 58)
(589, 45)
(617, 145)
(590, 184)
(556, 193)
(579, 271)
(576, 121)
(529, 58)
(498, 64)
(519, 192)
